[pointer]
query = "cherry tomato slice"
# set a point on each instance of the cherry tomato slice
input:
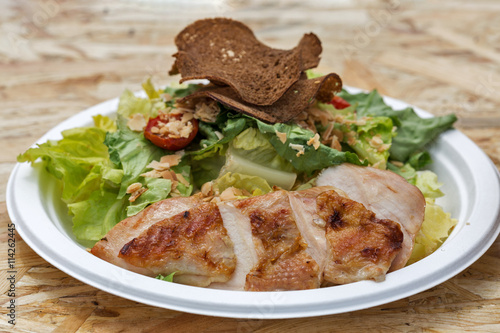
(339, 103)
(167, 141)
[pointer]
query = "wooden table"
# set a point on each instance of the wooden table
(59, 57)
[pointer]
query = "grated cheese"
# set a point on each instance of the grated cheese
(281, 136)
(299, 148)
(314, 141)
(137, 123)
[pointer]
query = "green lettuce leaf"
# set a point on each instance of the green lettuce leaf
(129, 104)
(131, 152)
(255, 146)
(413, 133)
(207, 161)
(420, 159)
(157, 189)
(72, 159)
(238, 163)
(436, 227)
(251, 153)
(253, 184)
(207, 169)
(369, 137)
(427, 182)
(227, 126)
(94, 217)
(104, 123)
(185, 170)
(406, 171)
(168, 278)
(409, 169)
(312, 159)
(150, 90)
(181, 90)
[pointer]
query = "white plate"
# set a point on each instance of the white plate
(471, 184)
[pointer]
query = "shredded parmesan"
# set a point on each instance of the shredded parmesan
(384, 147)
(299, 148)
(168, 174)
(161, 169)
(151, 174)
(172, 160)
(137, 194)
(166, 97)
(159, 166)
(281, 136)
(230, 193)
(219, 135)
(397, 163)
(207, 189)
(133, 187)
(351, 138)
(207, 111)
(335, 144)
(174, 123)
(376, 141)
(135, 190)
(137, 122)
(314, 141)
(181, 179)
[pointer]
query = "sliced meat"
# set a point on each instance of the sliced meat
(278, 244)
(194, 244)
(294, 270)
(359, 245)
(239, 230)
(344, 238)
(310, 224)
(109, 246)
(278, 241)
(385, 193)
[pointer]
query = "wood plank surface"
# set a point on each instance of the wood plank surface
(58, 57)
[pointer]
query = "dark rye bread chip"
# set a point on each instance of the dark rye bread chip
(292, 103)
(226, 52)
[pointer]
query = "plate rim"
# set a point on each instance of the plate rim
(237, 304)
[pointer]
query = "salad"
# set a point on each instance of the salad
(119, 166)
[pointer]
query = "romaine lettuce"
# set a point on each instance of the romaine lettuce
(168, 278)
(81, 163)
(157, 189)
(255, 146)
(238, 163)
(129, 104)
(428, 184)
(311, 159)
(72, 159)
(412, 134)
(435, 229)
(253, 184)
(437, 223)
(131, 152)
(94, 217)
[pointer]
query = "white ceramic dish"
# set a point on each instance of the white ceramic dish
(472, 188)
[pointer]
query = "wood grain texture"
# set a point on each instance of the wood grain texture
(59, 57)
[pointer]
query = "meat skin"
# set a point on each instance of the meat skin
(283, 263)
(360, 246)
(193, 244)
(109, 246)
(385, 193)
